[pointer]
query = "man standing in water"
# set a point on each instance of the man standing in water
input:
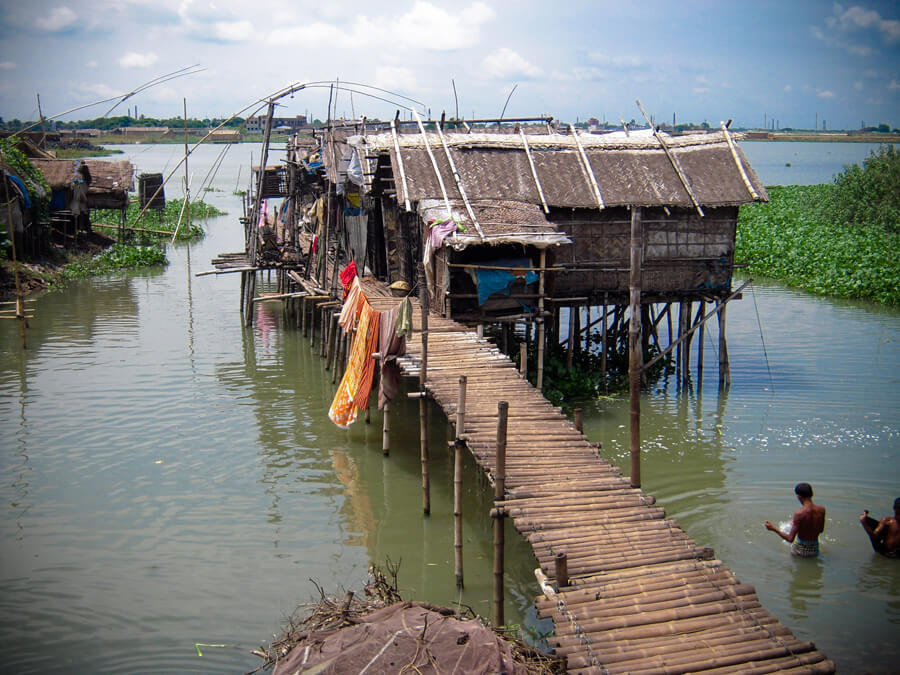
(885, 536)
(806, 526)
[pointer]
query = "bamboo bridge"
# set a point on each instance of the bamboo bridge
(628, 590)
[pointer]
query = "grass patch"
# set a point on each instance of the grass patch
(117, 257)
(799, 240)
(77, 153)
(165, 220)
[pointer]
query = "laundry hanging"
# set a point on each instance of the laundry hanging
(357, 380)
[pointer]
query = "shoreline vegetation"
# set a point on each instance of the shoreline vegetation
(838, 240)
(97, 253)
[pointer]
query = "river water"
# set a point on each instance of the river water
(171, 478)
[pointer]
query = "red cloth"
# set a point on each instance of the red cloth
(348, 274)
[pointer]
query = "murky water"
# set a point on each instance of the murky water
(170, 478)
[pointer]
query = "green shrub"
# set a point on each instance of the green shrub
(867, 196)
(33, 177)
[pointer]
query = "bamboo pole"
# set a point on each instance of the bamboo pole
(499, 496)
(534, 174)
(635, 356)
(423, 402)
(461, 407)
(457, 506)
(701, 310)
(603, 339)
(724, 367)
(561, 568)
(686, 353)
(523, 360)
(386, 429)
(540, 355)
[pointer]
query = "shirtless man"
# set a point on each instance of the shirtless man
(806, 526)
(885, 536)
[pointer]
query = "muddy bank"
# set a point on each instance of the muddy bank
(39, 273)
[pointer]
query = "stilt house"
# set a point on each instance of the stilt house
(535, 203)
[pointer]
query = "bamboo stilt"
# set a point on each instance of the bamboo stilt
(386, 429)
(423, 403)
(499, 496)
(540, 355)
(561, 570)
(635, 355)
(724, 367)
(701, 311)
(457, 512)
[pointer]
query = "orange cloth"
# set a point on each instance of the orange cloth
(357, 381)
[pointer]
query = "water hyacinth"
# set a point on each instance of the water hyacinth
(116, 257)
(797, 240)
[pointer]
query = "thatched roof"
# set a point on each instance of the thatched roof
(106, 176)
(500, 221)
(627, 170)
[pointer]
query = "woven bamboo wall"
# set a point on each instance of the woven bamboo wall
(681, 251)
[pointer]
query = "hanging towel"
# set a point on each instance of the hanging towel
(391, 346)
(404, 318)
(343, 411)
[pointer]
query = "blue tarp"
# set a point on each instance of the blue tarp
(500, 281)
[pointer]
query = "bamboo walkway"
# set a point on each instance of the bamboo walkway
(642, 596)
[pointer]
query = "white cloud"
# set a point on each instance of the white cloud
(233, 31)
(57, 20)
(504, 64)
(136, 60)
(311, 36)
(855, 28)
(7, 65)
(857, 85)
(395, 78)
(621, 62)
(701, 90)
(825, 94)
(894, 85)
(97, 90)
(788, 89)
(858, 17)
(92, 64)
(425, 27)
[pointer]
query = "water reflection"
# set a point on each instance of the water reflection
(806, 584)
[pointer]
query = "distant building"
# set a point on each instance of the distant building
(257, 124)
(143, 131)
(225, 136)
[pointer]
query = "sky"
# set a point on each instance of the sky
(800, 63)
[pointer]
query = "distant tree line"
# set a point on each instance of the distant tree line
(110, 123)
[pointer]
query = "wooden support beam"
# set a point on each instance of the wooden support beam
(635, 355)
(423, 403)
(717, 310)
(499, 496)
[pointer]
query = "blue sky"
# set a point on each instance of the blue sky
(795, 61)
